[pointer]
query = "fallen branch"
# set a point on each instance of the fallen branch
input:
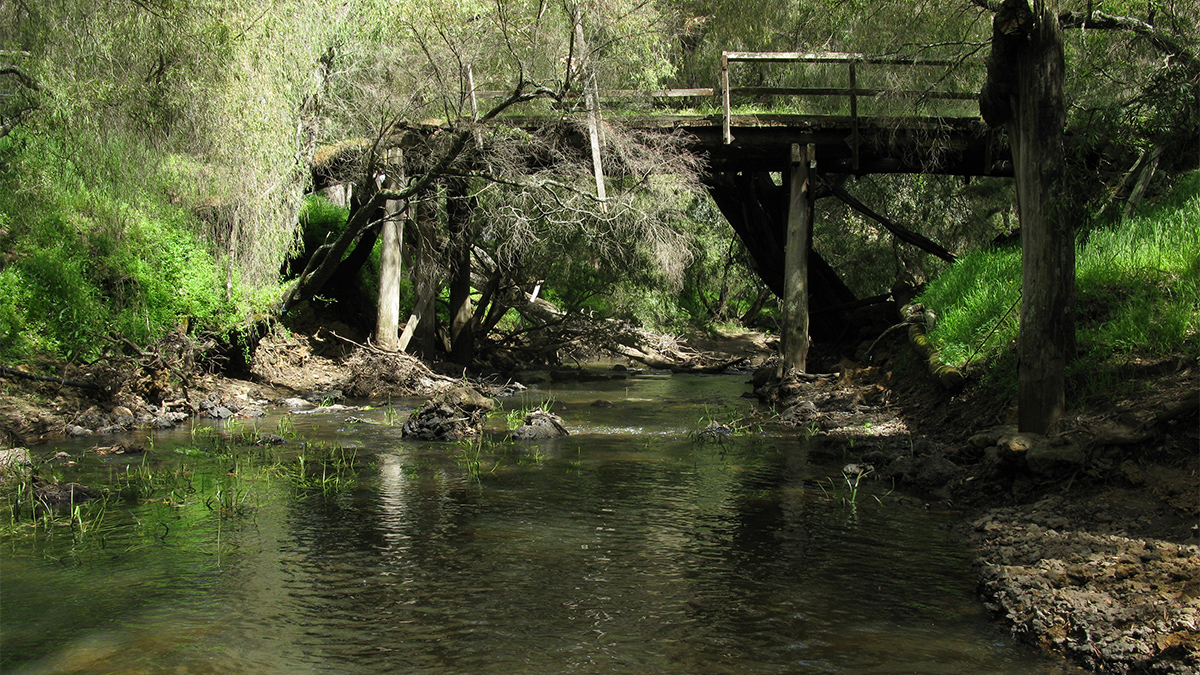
(49, 378)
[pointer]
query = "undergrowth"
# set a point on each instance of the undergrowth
(1137, 296)
(100, 248)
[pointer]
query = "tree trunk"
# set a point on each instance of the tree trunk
(458, 217)
(421, 327)
(387, 324)
(795, 266)
(1047, 334)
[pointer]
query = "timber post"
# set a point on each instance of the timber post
(391, 241)
(795, 275)
(726, 134)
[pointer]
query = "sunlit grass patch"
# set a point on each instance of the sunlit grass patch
(1137, 295)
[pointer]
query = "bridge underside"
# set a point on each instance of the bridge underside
(739, 180)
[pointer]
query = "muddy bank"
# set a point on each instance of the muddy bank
(1086, 539)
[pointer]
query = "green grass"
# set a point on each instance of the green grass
(1137, 291)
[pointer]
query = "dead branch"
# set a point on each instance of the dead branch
(48, 378)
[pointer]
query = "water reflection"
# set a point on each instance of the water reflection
(602, 552)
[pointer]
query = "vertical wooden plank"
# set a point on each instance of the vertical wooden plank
(474, 106)
(795, 265)
(854, 112)
(593, 120)
(471, 89)
(726, 134)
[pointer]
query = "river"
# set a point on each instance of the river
(634, 545)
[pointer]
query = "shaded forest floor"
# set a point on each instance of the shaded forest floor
(1085, 540)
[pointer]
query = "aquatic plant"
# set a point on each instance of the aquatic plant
(324, 466)
(514, 419)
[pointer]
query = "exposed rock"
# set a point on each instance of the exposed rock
(269, 439)
(14, 461)
(294, 403)
(935, 471)
(540, 425)
(1049, 459)
(441, 422)
(219, 412)
(466, 399)
(991, 436)
(325, 397)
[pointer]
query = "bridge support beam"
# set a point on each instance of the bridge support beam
(795, 263)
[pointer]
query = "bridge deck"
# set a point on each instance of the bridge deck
(939, 145)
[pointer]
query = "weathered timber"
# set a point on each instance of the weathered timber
(756, 208)
(1035, 126)
(854, 91)
(835, 57)
(902, 233)
(794, 359)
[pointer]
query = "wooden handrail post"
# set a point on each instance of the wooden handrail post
(727, 135)
(592, 100)
(854, 112)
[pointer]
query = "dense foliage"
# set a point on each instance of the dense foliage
(154, 156)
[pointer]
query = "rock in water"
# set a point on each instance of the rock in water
(540, 425)
(442, 422)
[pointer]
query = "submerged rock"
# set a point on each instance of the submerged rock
(540, 425)
(52, 495)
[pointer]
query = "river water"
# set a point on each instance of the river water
(631, 546)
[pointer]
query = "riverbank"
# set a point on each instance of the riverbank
(1085, 540)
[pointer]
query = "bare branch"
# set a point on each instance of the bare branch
(1162, 40)
(22, 77)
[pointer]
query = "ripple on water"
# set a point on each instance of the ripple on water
(626, 548)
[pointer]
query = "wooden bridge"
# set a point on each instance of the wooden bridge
(813, 150)
(814, 153)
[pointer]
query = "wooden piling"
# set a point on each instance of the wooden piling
(794, 360)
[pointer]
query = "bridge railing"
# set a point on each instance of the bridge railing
(854, 92)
